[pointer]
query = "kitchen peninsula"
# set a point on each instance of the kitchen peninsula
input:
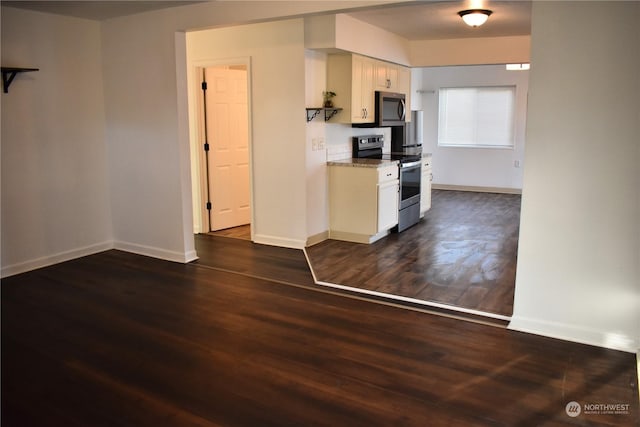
(363, 199)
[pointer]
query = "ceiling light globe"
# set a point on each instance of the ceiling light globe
(475, 17)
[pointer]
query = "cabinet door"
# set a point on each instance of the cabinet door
(386, 76)
(381, 79)
(392, 78)
(425, 192)
(363, 93)
(387, 205)
(357, 71)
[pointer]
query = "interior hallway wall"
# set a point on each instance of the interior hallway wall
(276, 52)
(316, 149)
(55, 199)
(578, 273)
(145, 75)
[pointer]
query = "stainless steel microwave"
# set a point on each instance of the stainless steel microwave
(391, 109)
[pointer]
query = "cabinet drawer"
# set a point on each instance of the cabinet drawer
(387, 173)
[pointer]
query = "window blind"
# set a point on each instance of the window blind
(476, 116)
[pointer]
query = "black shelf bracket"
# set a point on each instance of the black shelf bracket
(9, 73)
(328, 113)
(314, 112)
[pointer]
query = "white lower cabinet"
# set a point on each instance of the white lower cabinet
(425, 190)
(363, 201)
(387, 205)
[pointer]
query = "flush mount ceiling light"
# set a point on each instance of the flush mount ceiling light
(475, 17)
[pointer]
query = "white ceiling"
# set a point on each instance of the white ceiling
(439, 19)
(430, 19)
(96, 10)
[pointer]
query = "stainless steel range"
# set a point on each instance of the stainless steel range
(370, 146)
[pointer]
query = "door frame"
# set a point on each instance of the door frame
(196, 128)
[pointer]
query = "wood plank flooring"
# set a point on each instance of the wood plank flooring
(463, 253)
(240, 232)
(245, 257)
(121, 339)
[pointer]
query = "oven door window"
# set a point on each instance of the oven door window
(410, 182)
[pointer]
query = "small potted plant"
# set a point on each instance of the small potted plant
(327, 95)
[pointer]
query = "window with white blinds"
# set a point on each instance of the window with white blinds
(477, 117)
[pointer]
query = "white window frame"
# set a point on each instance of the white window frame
(471, 139)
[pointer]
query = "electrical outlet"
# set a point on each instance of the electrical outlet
(516, 163)
(314, 144)
(321, 143)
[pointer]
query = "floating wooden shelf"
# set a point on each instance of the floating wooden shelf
(328, 112)
(9, 73)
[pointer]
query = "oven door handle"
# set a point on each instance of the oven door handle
(410, 164)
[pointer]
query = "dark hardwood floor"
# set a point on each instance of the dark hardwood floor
(261, 261)
(463, 254)
(118, 339)
(240, 232)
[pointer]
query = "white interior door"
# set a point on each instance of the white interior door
(227, 134)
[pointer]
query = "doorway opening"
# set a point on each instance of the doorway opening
(463, 255)
(222, 186)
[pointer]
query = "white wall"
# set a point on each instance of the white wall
(55, 200)
(140, 190)
(276, 52)
(341, 32)
(473, 167)
(145, 147)
(363, 38)
(416, 85)
(315, 151)
(145, 75)
(578, 273)
(469, 51)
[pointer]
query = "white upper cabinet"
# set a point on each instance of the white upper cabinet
(386, 76)
(356, 78)
(351, 78)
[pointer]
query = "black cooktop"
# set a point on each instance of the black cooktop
(370, 146)
(403, 156)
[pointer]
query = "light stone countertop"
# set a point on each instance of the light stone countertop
(363, 163)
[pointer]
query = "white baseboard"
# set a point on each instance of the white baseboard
(501, 190)
(181, 257)
(279, 241)
(416, 302)
(357, 237)
(317, 238)
(573, 333)
(48, 260)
